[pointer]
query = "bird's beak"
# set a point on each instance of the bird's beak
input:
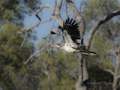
(50, 46)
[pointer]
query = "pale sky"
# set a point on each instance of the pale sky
(43, 29)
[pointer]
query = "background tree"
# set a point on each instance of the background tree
(110, 31)
(53, 69)
(97, 22)
(11, 55)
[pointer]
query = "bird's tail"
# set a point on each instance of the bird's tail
(88, 53)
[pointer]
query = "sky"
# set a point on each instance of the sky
(43, 29)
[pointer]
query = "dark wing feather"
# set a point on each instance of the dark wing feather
(72, 29)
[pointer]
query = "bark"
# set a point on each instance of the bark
(83, 74)
(56, 15)
(115, 75)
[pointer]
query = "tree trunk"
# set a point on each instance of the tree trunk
(83, 74)
(115, 79)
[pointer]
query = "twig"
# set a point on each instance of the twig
(24, 40)
(31, 56)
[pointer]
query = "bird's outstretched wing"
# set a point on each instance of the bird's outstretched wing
(71, 27)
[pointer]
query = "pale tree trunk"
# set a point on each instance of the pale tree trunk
(83, 74)
(115, 75)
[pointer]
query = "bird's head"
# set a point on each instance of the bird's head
(57, 46)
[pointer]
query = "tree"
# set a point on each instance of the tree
(99, 65)
(97, 22)
(112, 30)
(14, 10)
(15, 46)
(12, 54)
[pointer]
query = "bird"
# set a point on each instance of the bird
(72, 38)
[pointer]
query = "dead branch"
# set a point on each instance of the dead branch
(78, 15)
(56, 15)
(97, 24)
(42, 7)
(49, 38)
(108, 70)
(118, 77)
(31, 56)
(39, 22)
(36, 25)
(24, 40)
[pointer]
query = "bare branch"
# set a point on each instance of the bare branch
(49, 38)
(24, 40)
(29, 28)
(110, 71)
(118, 76)
(97, 24)
(107, 70)
(66, 11)
(78, 15)
(42, 7)
(36, 14)
(56, 15)
(31, 56)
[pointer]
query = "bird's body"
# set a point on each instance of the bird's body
(71, 36)
(65, 47)
(68, 48)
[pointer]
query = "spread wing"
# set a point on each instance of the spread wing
(71, 34)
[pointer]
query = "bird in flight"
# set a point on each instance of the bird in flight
(71, 37)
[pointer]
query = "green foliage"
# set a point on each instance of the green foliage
(98, 77)
(14, 10)
(95, 9)
(60, 67)
(11, 55)
(56, 70)
(102, 46)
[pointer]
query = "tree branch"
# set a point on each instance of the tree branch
(97, 24)
(79, 17)
(36, 14)
(118, 77)
(31, 56)
(108, 70)
(24, 40)
(56, 15)
(42, 7)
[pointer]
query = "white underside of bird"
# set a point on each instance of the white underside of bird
(68, 48)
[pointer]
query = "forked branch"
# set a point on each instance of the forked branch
(97, 24)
